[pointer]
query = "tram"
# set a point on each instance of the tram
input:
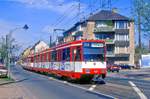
(74, 60)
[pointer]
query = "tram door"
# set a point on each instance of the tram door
(73, 52)
(76, 56)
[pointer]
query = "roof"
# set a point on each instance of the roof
(73, 28)
(107, 15)
(36, 44)
(33, 47)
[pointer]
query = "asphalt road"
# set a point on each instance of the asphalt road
(37, 86)
(120, 87)
(137, 77)
(40, 87)
(141, 84)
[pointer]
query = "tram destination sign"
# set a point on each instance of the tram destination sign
(97, 45)
(93, 44)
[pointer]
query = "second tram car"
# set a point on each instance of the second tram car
(73, 60)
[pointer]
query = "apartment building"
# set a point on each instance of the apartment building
(117, 30)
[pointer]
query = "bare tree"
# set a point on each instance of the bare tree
(8, 45)
(141, 9)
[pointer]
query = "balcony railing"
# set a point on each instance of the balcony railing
(122, 43)
(110, 54)
(104, 29)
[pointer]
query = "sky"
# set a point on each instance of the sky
(42, 16)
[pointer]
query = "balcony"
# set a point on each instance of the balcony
(78, 33)
(110, 54)
(104, 29)
(122, 31)
(122, 54)
(121, 43)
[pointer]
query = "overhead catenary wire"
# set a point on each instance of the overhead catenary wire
(61, 18)
(72, 19)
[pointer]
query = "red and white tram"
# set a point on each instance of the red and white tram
(73, 60)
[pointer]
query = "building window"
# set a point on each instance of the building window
(117, 49)
(103, 23)
(122, 37)
(122, 58)
(104, 36)
(121, 24)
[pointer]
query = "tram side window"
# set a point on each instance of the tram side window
(78, 54)
(41, 57)
(38, 58)
(47, 57)
(54, 56)
(66, 54)
(32, 59)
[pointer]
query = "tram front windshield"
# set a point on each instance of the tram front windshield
(93, 51)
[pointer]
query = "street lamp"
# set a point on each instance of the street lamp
(8, 46)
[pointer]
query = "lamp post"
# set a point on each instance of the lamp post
(8, 46)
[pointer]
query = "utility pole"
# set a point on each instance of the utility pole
(7, 56)
(139, 11)
(139, 31)
(50, 41)
(149, 45)
(79, 9)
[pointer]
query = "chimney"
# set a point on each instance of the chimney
(114, 10)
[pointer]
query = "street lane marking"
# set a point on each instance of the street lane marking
(76, 86)
(64, 82)
(142, 96)
(92, 87)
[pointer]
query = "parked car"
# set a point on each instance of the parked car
(126, 66)
(3, 71)
(113, 67)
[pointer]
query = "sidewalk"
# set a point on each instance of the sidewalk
(13, 90)
(4, 81)
(10, 91)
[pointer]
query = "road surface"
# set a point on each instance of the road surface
(37, 86)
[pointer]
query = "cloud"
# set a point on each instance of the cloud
(5, 27)
(20, 35)
(47, 29)
(59, 6)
